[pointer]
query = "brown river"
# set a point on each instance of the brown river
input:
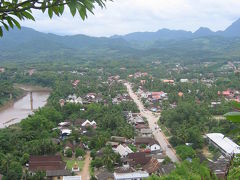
(20, 109)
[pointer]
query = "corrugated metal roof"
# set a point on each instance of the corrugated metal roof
(224, 143)
(133, 175)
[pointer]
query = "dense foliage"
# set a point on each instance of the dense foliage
(188, 170)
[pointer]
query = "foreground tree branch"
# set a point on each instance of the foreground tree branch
(11, 11)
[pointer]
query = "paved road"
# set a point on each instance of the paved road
(152, 121)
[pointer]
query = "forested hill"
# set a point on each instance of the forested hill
(204, 44)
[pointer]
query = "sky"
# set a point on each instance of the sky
(125, 16)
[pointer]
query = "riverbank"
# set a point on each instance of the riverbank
(22, 106)
(9, 102)
(32, 88)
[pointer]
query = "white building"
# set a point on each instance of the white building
(89, 123)
(66, 132)
(123, 150)
(224, 144)
(74, 99)
(184, 80)
(64, 124)
(138, 175)
(155, 147)
(72, 178)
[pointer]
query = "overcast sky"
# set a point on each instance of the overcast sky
(125, 16)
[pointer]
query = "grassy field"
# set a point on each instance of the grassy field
(70, 164)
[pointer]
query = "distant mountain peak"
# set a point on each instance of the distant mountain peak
(234, 29)
(203, 31)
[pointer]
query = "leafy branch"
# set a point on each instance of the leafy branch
(11, 10)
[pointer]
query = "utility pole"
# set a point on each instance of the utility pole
(31, 101)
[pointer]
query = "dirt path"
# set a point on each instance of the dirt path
(152, 121)
(85, 172)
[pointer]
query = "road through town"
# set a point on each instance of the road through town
(152, 121)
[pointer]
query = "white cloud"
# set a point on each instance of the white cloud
(125, 16)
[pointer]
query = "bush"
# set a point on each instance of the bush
(68, 152)
(167, 160)
(79, 152)
(143, 146)
(132, 147)
(93, 153)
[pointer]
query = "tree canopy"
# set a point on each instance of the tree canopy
(11, 11)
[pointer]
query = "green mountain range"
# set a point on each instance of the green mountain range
(202, 45)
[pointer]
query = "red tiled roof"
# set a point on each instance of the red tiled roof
(157, 93)
(226, 93)
(152, 166)
(138, 158)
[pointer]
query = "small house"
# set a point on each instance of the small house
(123, 150)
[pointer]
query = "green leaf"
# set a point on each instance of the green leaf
(61, 9)
(1, 32)
(233, 117)
(15, 1)
(5, 25)
(9, 22)
(55, 10)
(43, 6)
(28, 15)
(72, 6)
(26, 4)
(16, 23)
(82, 12)
(50, 12)
(19, 15)
(89, 6)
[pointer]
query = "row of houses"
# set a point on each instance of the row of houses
(138, 75)
(139, 124)
(80, 124)
(140, 157)
(87, 99)
(54, 166)
(153, 99)
(230, 95)
(121, 98)
(147, 159)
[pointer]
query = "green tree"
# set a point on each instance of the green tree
(15, 171)
(79, 152)
(234, 172)
(16, 9)
(188, 170)
(185, 152)
(25, 158)
(68, 152)
(97, 162)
